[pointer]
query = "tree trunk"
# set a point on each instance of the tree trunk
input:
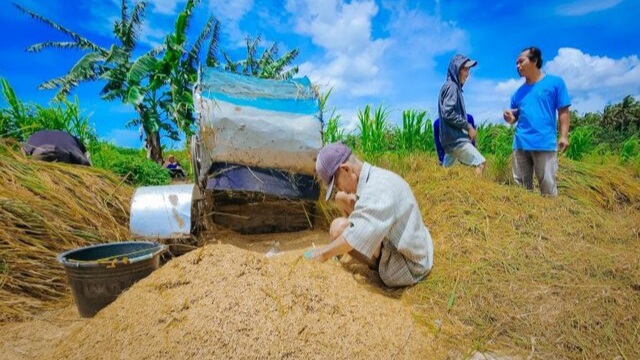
(154, 150)
(152, 138)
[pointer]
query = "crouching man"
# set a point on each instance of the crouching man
(382, 226)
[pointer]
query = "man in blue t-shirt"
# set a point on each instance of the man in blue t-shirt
(533, 109)
(436, 136)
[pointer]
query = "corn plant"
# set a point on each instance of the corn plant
(580, 142)
(373, 129)
(14, 115)
(332, 131)
(496, 141)
(416, 133)
(428, 141)
(630, 149)
(20, 120)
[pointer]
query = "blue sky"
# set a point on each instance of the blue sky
(393, 53)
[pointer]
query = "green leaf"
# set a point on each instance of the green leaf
(82, 42)
(135, 95)
(141, 68)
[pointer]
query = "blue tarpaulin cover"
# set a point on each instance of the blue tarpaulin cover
(260, 135)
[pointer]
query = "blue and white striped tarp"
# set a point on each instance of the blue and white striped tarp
(293, 96)
(269, 124)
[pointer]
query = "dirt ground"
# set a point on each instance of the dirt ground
(257, 298)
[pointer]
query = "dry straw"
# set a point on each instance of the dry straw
(530, 276)
(45, 209)
(515, 273)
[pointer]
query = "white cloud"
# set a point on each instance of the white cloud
(351, 62)
(230, 10)
(419, 35)
(230, 13)
(584, 7)
(152, 35)
(486, 99)
(508, 87)
(165, 7)
(594, 81)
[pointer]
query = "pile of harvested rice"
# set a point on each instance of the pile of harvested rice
(224, 302)
(515, 274)
(45, 209)
(537, 277)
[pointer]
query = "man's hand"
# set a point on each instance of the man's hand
(472, 133)
(346, 202)
(563, 144)
(509, 116)
(315, 255)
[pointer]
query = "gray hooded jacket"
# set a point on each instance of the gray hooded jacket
(451, 109)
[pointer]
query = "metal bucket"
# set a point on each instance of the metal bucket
(163, 212)
(98, 274)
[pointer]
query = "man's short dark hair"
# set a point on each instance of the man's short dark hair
(534, 55)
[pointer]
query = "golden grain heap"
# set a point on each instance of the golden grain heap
(45, 209)
(224, 302)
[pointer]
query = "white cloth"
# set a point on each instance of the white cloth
(466, 154)
(387, 212)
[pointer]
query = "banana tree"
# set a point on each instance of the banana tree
(179, 67)
(169, 79)
(115, 65)
(268, 66)
(158, 89)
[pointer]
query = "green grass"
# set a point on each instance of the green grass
(580, 142)
(416, 132)
(374, 129)
(131, 164)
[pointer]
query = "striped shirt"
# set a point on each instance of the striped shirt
(387, 212)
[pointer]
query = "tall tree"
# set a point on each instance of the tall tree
(623, 117)
(158, 89)
(115, 65)
(179, 67)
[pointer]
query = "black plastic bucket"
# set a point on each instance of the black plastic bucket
(98, 274)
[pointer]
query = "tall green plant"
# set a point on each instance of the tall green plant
(630, 149)
(373, 129)
(416, 133)
(20, 120)
(495, 141)
(580, 142)
(130, 164)
(14, 115)
(332, 131)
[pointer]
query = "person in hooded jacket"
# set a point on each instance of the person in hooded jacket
(456, 134)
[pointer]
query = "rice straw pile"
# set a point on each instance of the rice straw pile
(45, 209)
(224, 302)
(515, 274)
(530, 276)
